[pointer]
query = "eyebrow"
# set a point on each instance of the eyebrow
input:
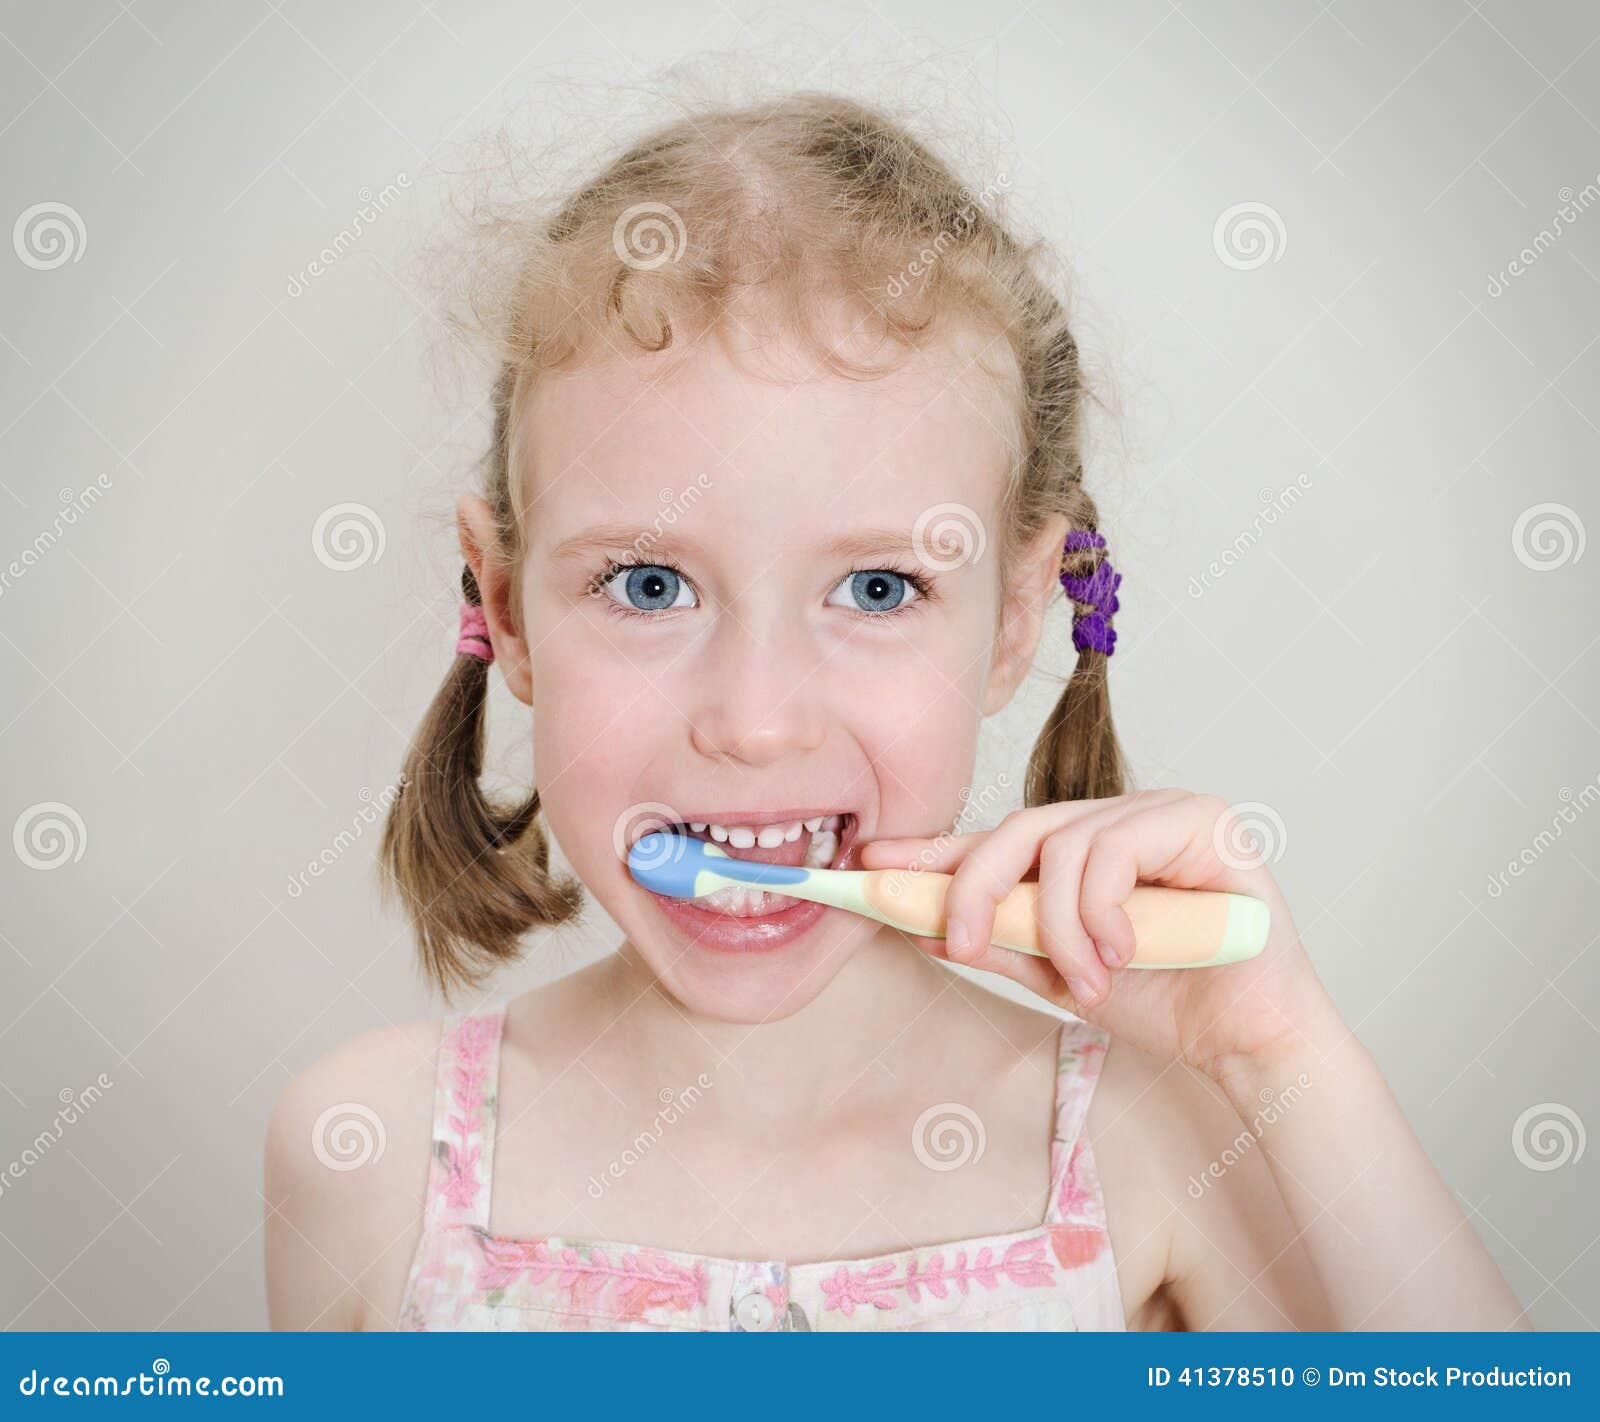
(618, 537)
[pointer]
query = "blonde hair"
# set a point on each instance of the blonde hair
(803, 197)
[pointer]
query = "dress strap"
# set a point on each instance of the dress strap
(466, 1093)
(1074, 1183)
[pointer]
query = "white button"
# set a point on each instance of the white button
(755, 1313)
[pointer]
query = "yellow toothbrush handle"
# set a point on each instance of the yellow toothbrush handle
(1172, 928)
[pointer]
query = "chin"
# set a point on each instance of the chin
(757, 987)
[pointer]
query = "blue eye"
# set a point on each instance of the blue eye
(874, 590)
(648, 587)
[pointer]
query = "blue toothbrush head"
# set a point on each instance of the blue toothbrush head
(671, 863)
(667, 863)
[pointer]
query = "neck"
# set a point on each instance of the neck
(795, 1065)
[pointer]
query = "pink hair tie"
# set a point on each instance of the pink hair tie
(474, 640)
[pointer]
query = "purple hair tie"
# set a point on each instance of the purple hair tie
(1092, 630)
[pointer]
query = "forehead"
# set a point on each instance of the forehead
(738, 450)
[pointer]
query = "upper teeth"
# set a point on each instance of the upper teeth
(770, 836)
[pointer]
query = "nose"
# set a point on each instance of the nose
(758, 691)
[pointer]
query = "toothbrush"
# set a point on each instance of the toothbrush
(1172, 928)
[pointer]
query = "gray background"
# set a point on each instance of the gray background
(1398, 674)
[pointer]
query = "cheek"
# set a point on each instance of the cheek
(591, 720)
(919, 730)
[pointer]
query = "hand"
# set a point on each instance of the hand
(1090, 854)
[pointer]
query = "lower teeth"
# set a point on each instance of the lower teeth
(741, 901)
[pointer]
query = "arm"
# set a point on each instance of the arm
(1389, 1245)
(308, 1222)
(1235, 1261)
(1389, 1242)
(346, 1168)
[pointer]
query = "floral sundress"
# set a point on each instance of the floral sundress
(1059, 1275)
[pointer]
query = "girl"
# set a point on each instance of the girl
(786, 468)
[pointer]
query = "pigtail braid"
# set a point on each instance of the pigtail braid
(1077, 755)
(473, 877)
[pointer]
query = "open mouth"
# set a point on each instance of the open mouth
(821, 841)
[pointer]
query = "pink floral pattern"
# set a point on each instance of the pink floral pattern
(1023, 1264)
(1059, 1275)
(639, 1281)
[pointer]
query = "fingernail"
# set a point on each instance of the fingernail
(1082, 993)
(1108, 954)
(955, 936)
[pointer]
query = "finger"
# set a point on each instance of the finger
(1061, 931)
(995, 867)
(998, 865)
(944, 853)
(1068, 850)
(1038, 975)
(1170, 843)
(940, 855)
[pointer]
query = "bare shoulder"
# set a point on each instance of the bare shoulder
(1189, 1192)
(346, 1174)
(1131, 1114)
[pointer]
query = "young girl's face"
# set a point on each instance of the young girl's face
(751, 602)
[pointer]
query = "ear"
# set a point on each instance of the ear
(480, 546)
(1034, 587)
